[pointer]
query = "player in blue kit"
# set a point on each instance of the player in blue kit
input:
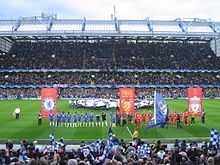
(79, 119)
(74, 120)
(51, 138)
(83, 120)
(58, 119)
(113, 119)
(68, 118)
(87, 119)
(51, 118)
(91, 119)
(97, 118)
(63, 119)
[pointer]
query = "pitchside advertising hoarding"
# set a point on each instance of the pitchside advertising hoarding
(48, 100)
(195, 99)
(127, 100)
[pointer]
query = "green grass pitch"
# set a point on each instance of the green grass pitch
(27, 128)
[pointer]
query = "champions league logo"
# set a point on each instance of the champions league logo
(163, 107)
(194, 104)
(49, 104)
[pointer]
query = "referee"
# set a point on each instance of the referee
(17, 113)
(39, 119)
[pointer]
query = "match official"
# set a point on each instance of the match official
(17, 112)
(39, 118)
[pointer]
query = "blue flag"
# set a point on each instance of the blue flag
(214, 138)
(160, 109)
(144, 151)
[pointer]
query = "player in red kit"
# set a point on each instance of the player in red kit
(149, 116)
(138, 120)
(144, 117)
(185, 118)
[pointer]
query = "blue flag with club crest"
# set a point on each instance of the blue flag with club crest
(214, 140)
(160, 109)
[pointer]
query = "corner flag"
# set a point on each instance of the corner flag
(160, 109)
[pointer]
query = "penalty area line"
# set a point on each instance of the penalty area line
(129, 131)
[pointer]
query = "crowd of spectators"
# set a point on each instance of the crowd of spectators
(103, 92)
(109, 78)
(109, 55)
(136, 152)
(106, 56)
(166, 56)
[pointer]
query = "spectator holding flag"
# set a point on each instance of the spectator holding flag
(51, 138)
(214, 141)
(144, 151)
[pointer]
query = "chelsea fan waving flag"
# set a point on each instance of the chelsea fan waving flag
(160, 109)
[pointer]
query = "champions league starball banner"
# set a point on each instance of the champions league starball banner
(48, 99)
(127, 100)
(195, 98)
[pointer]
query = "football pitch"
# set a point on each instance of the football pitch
(27, 126)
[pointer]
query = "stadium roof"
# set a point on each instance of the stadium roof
(36, 28)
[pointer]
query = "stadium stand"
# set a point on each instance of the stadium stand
(108, 55)
(97, 68)
(110, 78)
(11, 93)
(111, 64)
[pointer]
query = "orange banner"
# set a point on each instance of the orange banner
(127, 100)
(195, 99)
(48, 99)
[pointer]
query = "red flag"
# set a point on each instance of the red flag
(195, 98)
(48, 99)
(127, 99)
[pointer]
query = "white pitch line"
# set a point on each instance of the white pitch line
(129, 131)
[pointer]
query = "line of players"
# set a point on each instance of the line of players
(87, 119)
(184, 117)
